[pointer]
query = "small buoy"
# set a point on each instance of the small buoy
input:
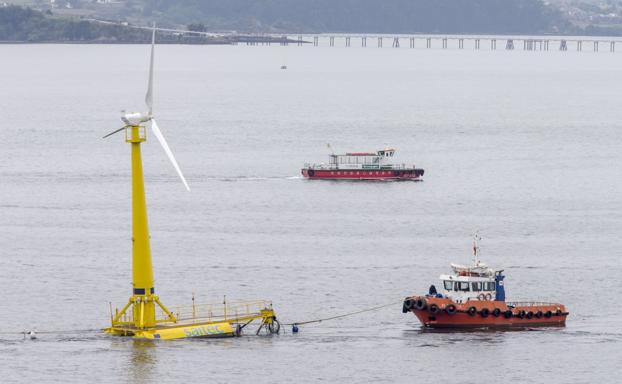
(283, 66)
(294, 328)
(32, 335)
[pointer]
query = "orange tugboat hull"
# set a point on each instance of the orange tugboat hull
(405, 174)
(435, 312)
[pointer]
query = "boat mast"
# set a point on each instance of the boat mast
(476, 239)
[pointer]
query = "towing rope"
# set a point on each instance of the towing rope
(294, 324)
(344, 315)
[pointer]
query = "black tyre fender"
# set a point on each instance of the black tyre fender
(484, 312)
(450, 309)
(496, 312)
(472, 311)
(508, 314)
(420, 304)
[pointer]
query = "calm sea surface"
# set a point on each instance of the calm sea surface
(525, 147)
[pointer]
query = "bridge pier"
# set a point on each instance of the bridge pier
(444, 43)
(477, 44)
(412, 42)
(460, 43)
(363, 42)
(563, 46)
(579, 45)
(347, 41)
(396, 42)
(316, 41)
(380, 42)
(612, 46)
(332, 41)
(428, 42)
(509, 45)
(493, 44)
(596, 46)
(300, 40)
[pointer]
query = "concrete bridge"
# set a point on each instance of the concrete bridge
(475, 42)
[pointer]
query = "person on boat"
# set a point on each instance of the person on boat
(432, 290)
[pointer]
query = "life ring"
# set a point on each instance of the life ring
(558, 312)
(481, 297)
(484, 312)
(488, 296)
(433, 309)
(472, 311)
(311, 172)
(496, 312)
(450, 309)
(508, 314)
(420, 304)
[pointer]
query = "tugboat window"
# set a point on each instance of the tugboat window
(449, 285)
(464, 286)
(490, 286)
(476, 286)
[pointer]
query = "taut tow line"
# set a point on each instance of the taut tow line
(295, 325)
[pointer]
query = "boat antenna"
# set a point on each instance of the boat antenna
(332, 152)
(476, 239)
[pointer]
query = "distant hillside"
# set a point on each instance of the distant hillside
(64, 20)
(374, 16)
(19, 24)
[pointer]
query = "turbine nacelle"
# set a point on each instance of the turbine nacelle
(136, 118)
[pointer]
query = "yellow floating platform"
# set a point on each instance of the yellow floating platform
(201, 321)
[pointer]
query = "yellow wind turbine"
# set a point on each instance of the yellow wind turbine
(140, 317)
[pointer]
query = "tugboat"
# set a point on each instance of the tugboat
(474, 297)
(362, 166)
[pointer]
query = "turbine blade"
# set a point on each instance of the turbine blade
(115, 131)
(149, 95)
(157, 133)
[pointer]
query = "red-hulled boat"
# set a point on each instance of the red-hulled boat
(362, 166)
(474, 297)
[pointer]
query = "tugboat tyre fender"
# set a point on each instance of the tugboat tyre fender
(484, 312)
(521, 314)
(529, 315)
(548, 314)
(472, 311)
(508, 314)
(311, 172)
(496, 312)
(420, 304)
(433, 309)
(538, 314)
(408, 304)
(450, 309)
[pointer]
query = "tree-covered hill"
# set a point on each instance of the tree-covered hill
(19, 24)
(375, 16)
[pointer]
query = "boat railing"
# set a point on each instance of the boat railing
(337, 167)
(528, 303)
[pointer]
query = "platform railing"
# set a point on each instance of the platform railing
(221, 311)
